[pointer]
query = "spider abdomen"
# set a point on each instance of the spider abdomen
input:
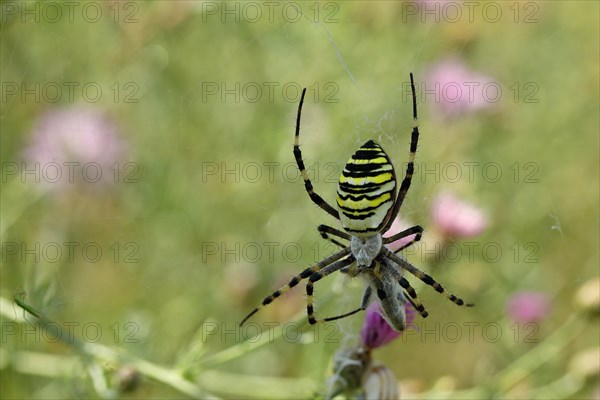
(366, 190)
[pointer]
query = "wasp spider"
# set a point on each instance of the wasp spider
(367, 205)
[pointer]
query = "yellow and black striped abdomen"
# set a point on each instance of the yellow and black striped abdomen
(366, 190)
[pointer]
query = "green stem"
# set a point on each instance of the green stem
(91, 353)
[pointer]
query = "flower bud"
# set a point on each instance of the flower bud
(349, 366)
(127, 378)
(586, 363)
(588, 296)
(379, 383)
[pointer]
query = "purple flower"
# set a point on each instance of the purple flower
(398, 226)
(458, 89)
(75, 144)
(457, 218)
(376, 332)
(528, 306)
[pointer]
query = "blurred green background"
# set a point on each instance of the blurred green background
(200, 212)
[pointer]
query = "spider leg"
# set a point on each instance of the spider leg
(363, 306)
(423, 276)
(318, 200)
(415, 240)
(317, 276)
(412, 297)
(416, 230)
(410, 167)
(308, 272)
(325, 231)
(414, 304)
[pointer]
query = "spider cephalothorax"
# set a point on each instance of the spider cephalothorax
(367, 205)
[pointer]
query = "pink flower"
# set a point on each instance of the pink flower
(458, 89)
(398, 226)
(376, 332)
(528, 306)
(74, 144)
(457, 218)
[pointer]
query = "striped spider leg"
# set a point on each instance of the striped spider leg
(367, 204)
(427, 279)
(325, 231)
(338, 260)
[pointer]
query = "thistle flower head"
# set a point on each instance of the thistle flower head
(457, 218)
(528, 306)
(80, 138)
(459, 89)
